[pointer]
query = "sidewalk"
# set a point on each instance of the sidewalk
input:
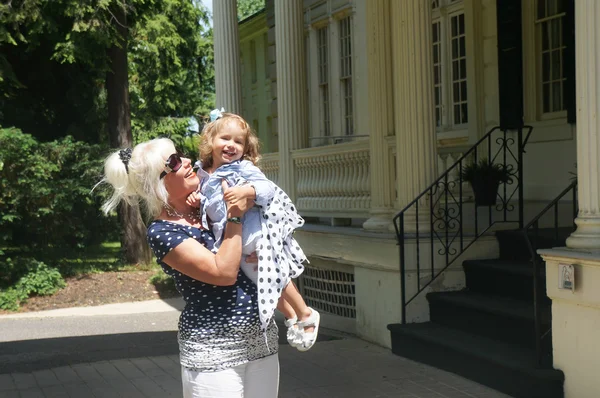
(338, 366)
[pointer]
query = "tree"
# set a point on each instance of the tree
(161, 44)
(247, 8)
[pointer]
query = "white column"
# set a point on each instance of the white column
(413, 105)
(228, 84)
(587, 68)
(380, 113)
(291, 88)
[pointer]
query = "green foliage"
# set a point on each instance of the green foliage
(170, 61)
(11, 298)
(177, 129)
(53, 63)
(38, 279)
(42, 281)
(45, 198)
(246, 8)
(485, 171)
(162, 281)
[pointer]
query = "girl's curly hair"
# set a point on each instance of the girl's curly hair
(210, 130)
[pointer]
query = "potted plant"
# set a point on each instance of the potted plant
(485, 178)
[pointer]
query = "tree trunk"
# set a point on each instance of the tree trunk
(133, 232)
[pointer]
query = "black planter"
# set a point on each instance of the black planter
(486, 192)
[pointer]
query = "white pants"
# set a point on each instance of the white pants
(256, 379)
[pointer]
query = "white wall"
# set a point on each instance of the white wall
(576, 321)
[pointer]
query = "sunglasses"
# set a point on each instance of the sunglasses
(172, 165)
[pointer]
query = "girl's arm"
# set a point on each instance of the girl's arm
(264, 189)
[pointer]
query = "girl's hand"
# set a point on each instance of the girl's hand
(193, 199)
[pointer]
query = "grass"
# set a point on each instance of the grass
(104, 257)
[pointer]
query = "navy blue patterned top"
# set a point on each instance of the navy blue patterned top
(219, 327)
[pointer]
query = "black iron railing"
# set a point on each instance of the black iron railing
(547, 229)
(442, 220)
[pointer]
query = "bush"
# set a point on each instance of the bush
(162, 281)
(45, 198)
(40, 280)
(177, 129)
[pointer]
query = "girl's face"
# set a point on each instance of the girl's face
(228, 144)
(184, 181)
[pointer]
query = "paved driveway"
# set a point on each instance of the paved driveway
(130, 350)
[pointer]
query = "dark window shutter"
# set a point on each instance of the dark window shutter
(569, 60)
(510, 63)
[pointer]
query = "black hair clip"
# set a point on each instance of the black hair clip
(125, 155)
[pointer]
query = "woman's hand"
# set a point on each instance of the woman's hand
(240, 192)
(252, 258)
(237, 208)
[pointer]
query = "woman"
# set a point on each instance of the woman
(223, 350)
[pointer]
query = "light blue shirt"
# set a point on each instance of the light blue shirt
(214, 209)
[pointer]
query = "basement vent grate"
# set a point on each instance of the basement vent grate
(328, 291)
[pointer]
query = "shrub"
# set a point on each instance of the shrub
(484, 170)
(45, 198)
(40, 280)
(162, 281)
(11, 298)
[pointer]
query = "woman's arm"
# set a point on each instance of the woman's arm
(196, 261)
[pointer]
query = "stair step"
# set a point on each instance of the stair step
(482, 314)
(501, 278)
(514, 246)
(505, 367)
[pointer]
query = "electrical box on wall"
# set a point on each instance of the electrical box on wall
(566, 277)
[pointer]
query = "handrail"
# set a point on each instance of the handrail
(538, 289)
(442, 202)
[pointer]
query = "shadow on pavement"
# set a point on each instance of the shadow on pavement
(32, 355)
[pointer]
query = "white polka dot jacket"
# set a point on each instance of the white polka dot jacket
(267, 228)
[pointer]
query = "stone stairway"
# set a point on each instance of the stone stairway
(486, 331)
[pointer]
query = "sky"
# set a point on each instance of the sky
(208, 4)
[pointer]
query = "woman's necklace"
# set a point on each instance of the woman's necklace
(192, 216)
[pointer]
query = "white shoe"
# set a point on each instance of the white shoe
(292, 335)
(308, 339)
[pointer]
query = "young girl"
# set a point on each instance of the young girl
(229, 151)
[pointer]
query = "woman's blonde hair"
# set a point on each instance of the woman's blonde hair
(251, 146)
(138, 179)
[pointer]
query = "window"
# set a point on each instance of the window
(253, 61)
(449, 65)
(330, 67)
(346, 75)
(550, 48)
(266, 54)
(322, 55)
(437, 72)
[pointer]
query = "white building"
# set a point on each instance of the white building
(370, 110)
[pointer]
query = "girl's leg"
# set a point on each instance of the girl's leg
(292, 296)
(286, 309)
(261, 379)
(290, 321)
(228, 383)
